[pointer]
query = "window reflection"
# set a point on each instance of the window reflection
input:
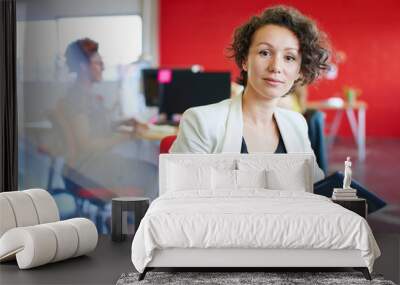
(80, 106)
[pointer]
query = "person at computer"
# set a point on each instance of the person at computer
(96, 149)
(275, 51)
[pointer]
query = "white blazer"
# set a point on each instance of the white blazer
(218, 128)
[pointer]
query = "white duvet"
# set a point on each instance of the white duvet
(252, 218)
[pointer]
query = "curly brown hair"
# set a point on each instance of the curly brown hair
(80, 51)
(314, 47)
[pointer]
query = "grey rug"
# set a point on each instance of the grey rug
(228, 278)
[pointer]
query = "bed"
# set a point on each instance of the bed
(247, 210)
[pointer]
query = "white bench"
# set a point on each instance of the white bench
(31, 231)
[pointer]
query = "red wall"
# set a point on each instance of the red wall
(199, 31)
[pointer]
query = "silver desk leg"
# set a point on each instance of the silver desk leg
(361, 134)
(358, 130)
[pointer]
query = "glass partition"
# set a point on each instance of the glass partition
(80, 107)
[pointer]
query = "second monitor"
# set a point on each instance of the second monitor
(179, 90)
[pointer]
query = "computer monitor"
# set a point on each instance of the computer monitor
(152, 84)
(151, 87)
(186, 89)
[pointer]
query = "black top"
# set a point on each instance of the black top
(279, 149)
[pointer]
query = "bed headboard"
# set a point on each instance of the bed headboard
(295, 168)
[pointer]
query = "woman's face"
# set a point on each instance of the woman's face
(273, 62)
(96, 67)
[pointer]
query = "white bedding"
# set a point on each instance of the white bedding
(252, 218)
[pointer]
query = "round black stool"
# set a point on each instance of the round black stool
(137, 205)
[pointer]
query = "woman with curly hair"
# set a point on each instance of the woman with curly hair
(275, 52)
(97, 152)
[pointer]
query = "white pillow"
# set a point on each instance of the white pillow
(224, 179)
(181, 177)
(251, 178)
(228, 179)
(281, 174)
(278, 180)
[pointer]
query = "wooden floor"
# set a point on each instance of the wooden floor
(380, 170)
(102, 266)
(106, 264)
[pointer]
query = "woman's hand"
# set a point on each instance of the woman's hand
(140, 128)
(132, 127)
(127, 122)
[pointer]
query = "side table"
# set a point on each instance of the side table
(357, 205)
(138, 205)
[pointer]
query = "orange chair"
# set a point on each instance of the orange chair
(166, 143)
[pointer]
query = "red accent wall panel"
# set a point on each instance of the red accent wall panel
(199, 32)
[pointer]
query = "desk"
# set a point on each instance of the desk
(357, 125)
(158, 132)
(154, 133)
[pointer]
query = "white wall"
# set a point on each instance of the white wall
(52, 9)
